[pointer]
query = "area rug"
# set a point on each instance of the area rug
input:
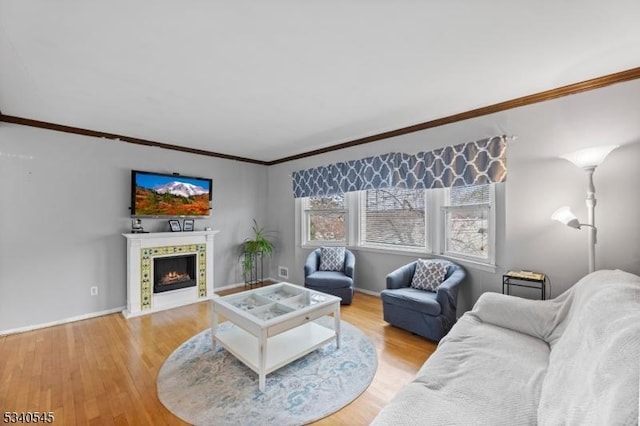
(207, 387)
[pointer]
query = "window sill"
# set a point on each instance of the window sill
(473, 264)
(394, 251)
(467, 263)
(324, 244)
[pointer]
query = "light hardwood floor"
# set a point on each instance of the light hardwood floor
(103, 371)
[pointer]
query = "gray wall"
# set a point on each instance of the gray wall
(64, 205)
(65, 202)
(538, 183)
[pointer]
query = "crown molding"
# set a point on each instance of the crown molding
(121, 138)
(571, 89)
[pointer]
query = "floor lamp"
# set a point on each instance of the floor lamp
(587, 159)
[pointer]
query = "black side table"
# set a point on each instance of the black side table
(536, 280)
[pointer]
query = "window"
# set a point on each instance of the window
(455, 222)
(468, 221)
(325, 220)
(394, 217)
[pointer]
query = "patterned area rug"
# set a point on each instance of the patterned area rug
(204, 387)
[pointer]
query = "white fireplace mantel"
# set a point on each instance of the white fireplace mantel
(142, 248)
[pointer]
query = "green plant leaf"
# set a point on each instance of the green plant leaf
(258, 245)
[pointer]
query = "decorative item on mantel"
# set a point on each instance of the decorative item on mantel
(174, 225)
(136, 227)
(188, 225)
(252, 253)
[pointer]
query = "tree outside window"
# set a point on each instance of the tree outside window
(326, 219)
(467, 221)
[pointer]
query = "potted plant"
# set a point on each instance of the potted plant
(253, 249)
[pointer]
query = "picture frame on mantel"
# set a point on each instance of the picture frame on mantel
(174, 225)
(188, 225)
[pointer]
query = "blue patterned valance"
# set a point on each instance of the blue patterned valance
(471, 163)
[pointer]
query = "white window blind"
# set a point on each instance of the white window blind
(394, 217)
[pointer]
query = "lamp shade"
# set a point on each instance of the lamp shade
(589, 157)
(566, 216)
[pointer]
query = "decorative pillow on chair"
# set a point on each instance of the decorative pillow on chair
(331, 258)
(429, 275)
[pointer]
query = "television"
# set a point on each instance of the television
(169, 195)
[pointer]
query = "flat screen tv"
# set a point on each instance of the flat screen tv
(169, 195)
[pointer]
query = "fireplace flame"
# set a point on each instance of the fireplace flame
(174, 277)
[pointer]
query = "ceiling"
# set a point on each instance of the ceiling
(266, 80)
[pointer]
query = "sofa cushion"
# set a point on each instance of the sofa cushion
(595, 349)
(428, 275)
(331, 259)
(412, 298)
(480, 375)
(328, 279)
(537, 318)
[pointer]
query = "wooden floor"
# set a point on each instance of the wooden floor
(103, 371)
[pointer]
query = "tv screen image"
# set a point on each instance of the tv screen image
(168, 195)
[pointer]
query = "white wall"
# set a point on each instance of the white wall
(538, 182)
(64, 204)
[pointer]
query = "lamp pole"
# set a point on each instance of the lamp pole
(587, 159)
(591, 207)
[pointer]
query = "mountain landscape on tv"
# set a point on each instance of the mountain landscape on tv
(182, 189)
(172, 199)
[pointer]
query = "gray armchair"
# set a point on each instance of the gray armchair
(428, 314)
(337, 283)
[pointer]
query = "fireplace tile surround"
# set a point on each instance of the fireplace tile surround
(143, 248)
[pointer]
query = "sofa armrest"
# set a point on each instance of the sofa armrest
(447, 293)
(311, 264)
(401, 277)
(532, 317)
(349, 263)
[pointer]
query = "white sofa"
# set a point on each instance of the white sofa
(573, 360)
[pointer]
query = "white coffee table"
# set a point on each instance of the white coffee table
(274, 325)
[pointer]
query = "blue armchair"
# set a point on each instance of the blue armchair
(337, 283)
(426, 313)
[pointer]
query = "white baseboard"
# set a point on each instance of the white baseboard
(62, 321)
(273, 280)
(123, 308)
(369, 292)
(236, 285)
(228, 287)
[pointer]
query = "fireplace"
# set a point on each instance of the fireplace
(174, 272)
(145, 295)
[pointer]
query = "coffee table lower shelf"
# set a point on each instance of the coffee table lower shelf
(281, 349)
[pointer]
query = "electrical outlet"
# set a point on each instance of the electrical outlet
(94, 291)
(283, 272)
